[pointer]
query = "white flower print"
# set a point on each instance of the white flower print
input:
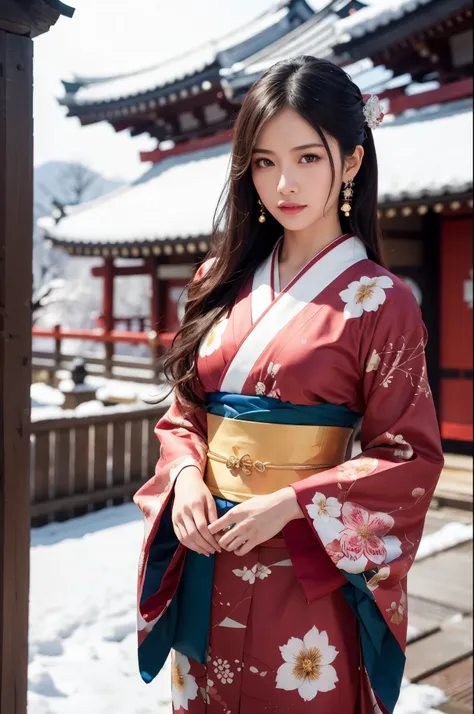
(273, 369)
(184, 687)
(324, 508)
(418, 492)
(308, 665)
(222, 671)
(213, 341)
(352, 470)
(260, 389)
(366, 294)
(404, 453)
(250, 574)
(374, 362)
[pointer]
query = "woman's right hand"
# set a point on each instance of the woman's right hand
(194, 509)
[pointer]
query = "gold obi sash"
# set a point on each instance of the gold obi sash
(248, 459)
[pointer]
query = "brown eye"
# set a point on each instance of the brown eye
(258, 163)
(310, 158)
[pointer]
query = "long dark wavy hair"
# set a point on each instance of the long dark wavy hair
(325, 96)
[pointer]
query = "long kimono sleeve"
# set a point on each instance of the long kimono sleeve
(368, 513)
(183, 442)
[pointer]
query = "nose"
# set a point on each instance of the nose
(286, 185)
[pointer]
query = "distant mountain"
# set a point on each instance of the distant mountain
(79, 303)
(69, 183)
(63, 183)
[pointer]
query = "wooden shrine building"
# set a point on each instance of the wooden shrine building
(417, 56)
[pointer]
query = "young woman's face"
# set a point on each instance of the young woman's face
(291, 166)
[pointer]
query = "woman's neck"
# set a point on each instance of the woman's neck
(298, 247)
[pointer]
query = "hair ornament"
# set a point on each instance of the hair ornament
(373, 111)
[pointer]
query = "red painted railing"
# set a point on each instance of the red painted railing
(163, 339)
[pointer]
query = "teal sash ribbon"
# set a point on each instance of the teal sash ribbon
(185, 624)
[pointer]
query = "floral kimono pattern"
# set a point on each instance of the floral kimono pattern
(344, 332)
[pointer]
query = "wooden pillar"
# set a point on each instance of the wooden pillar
(19, 22)
(155, 299)
(16, 230)
(108, 313)
(155, 314)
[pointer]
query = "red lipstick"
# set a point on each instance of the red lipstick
(290, 208)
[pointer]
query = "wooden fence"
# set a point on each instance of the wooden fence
(109, 365)
(82, 464)
(136, 369)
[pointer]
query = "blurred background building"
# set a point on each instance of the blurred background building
(416, 55)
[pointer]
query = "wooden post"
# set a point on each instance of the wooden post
(57, 349)
(16, 230)
(19, 22)
(108, 313)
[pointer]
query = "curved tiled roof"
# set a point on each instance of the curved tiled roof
(241, 42)
(425, 154)
(375, 16)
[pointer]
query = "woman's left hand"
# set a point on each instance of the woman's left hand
(256, 521)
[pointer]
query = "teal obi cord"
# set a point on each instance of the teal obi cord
(185, 625)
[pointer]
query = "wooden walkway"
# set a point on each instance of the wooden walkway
(440, 650)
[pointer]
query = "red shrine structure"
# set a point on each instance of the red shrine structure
(416, 56)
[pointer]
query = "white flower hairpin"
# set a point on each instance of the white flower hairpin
(373, 110)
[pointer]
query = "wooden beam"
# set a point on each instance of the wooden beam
(122, 271)
(462, 89)
(411, 23)
(16, 230)
(31, 18)
(157, 155)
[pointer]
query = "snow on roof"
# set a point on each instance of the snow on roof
(176, 68)
(315, 37)
(379, 14)
(427, 153)
(175, 199)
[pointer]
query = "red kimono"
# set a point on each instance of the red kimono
(315, 621)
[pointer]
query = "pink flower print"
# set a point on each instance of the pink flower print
(334, 553)
(363, 533)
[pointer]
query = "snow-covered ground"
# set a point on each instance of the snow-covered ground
(46, 401)
(82, 621)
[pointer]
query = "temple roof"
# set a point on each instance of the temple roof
(385, 23)
(380, 14)
(328, 35)
(423, 156)
(315, 37)
(232, 47)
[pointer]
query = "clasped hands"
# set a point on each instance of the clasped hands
(247, 525)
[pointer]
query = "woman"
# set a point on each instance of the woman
(274, 564)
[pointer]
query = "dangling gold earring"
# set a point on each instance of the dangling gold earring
(262, 217)
(348, 193)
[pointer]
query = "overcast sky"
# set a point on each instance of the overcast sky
(109, 37)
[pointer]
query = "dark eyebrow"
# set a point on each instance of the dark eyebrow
(296, 148)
